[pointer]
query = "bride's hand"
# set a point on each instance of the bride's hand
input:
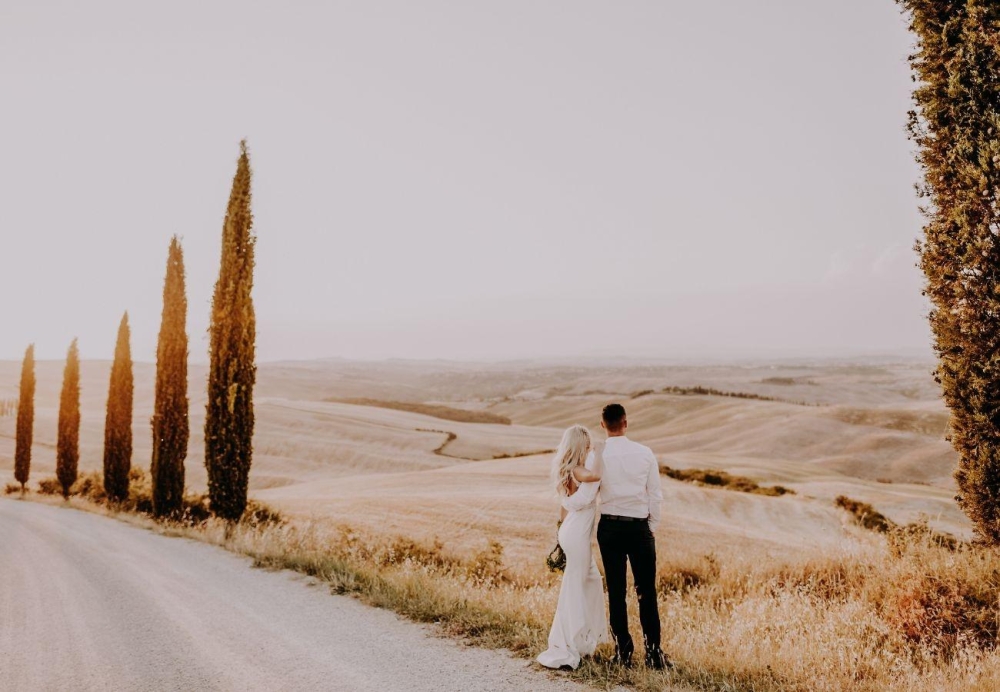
(599, 458)
(591, 475)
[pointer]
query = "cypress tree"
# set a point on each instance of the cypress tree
(25, 419)
(68, 441)
(170, 411)
(956, 127)
(118, 422)
(229, 417)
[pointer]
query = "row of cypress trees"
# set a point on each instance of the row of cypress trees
(229, 419)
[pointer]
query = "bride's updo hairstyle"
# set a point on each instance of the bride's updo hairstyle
(572, 452)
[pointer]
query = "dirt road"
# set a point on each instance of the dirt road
(90, 603)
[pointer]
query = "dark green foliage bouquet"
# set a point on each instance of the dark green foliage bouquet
(556, 561)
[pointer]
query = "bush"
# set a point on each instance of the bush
(256, 514)
(721, 479)
(12, 488)
(865, 515)
(89, 485)
(939, 614)
(50, 486)
(920, 532)
(518, 455)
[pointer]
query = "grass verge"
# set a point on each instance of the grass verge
(893, 611)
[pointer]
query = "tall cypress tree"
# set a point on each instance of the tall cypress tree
(118, 422)
(68, 441)
(25, 419)
(229, 417)
(170, 411)
(956, 127)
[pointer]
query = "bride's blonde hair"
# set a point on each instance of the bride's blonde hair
(572, 452)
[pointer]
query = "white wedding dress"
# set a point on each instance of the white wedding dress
(580, 623)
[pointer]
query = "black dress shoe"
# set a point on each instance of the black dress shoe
(657, 660)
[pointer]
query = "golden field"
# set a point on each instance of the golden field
(758, 592)
(871, 432)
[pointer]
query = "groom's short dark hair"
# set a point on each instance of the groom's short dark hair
(614, 416)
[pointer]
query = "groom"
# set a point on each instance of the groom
(630, 511)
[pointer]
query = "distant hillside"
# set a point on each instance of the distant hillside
(435, 410)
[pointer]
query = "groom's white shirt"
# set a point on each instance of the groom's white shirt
(630, 483)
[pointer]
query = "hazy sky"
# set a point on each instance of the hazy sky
(466, 179)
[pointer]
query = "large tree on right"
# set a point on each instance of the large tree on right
(229, 415)
(956, 127)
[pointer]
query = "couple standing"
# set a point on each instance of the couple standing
(626, 475)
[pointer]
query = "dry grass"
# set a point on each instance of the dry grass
(900, 614)
(756, 594)
(434, 410)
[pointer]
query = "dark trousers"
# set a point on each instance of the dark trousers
(632, 542)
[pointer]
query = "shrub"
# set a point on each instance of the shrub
(920, 532)
(256, 514)
(938, 613)
(50, 486)
(518, 455)
(865, 515)
(721, 479)
(90, 485)
(711, 391)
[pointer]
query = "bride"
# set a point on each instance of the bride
(580, 623)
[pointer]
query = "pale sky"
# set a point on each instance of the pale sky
(473, 180)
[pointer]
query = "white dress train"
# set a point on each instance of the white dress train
(580, 623)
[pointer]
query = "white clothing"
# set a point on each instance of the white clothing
(630, 482)
(580, 623)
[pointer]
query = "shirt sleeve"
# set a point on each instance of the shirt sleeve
(655, 491)
(585, 494)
